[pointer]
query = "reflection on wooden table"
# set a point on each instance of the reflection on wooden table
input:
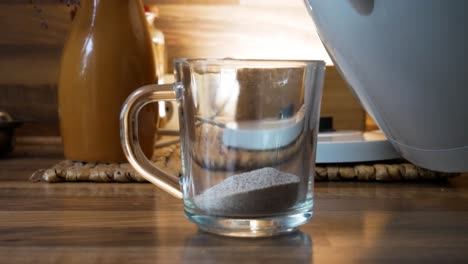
(137, 223)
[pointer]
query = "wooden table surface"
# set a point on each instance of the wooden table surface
(138, 223)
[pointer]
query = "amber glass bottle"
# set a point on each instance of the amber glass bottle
(108, 55)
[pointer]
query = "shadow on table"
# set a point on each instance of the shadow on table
(207, 248)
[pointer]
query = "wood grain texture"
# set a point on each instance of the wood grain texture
(138, 223)
(245, 31)
(192, 2)
(370, 123)
(339, 102)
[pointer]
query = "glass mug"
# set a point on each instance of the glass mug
(248, 133)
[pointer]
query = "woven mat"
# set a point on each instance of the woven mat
(168, 157)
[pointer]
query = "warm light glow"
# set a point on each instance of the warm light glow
(279, 46)
(150, 17)
(254, 225)
(162, 109)
(157, 40)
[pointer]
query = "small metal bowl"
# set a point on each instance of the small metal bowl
(7, 133)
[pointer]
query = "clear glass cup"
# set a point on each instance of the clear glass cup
(248, 133)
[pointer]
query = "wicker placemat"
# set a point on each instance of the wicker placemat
(168, 157)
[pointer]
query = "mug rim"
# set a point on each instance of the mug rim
(224, 60)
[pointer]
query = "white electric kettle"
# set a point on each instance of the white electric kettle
(407, 62)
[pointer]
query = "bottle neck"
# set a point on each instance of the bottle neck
(95, 3)
(116, 11)
(111, 5)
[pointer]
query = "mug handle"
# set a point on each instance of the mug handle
(129, 136)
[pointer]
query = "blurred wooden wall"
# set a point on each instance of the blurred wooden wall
(263, 29)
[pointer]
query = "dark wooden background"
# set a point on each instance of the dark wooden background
(264, 29)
